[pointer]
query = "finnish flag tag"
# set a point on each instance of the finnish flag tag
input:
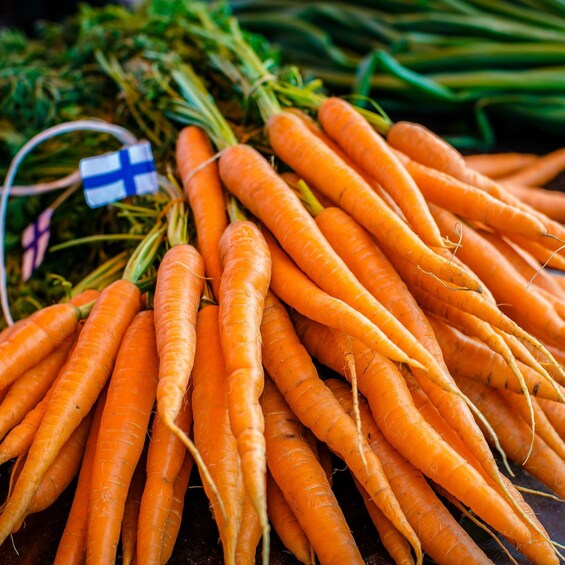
(114, 176)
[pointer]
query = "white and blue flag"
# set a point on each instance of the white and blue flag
(113, 176)
(35, 239)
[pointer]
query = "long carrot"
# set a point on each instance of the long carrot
(31, 387)
(72, 545)
(205, 194)
(249, 534)
(165, 456)
(393, 409)
(529, 309)
(496, 165)
(62, 471)
(442, 537)
(394, 543)
(555, 414)
(314, 161)
(130, 399)
(543, 427)
(291, 368)
(472, 203)
(550, 203)
(372, 154)
(77, 389)
(371, 266)
(286, 525)
(469, 358)
(173, 525)
(540, 171)
(131, 512)
(244, 284)
(291, 460)
(294, 288)
(212, 433)
(35, 338)
(514, 434)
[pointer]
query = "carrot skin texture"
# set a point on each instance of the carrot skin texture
(34, 339)
(543, 463)
(28, 389)
(131, 395)
(131, 512)
(294, 288)
(165, 456)
(212, 432)
(316, 163)
(172, 527)
(205, 196)
(63, 470)
(286, 525)
(381, 383)
(496, 165)
(180, 280)
(76, 391)
(292, 370)
(292, 225)
(243, 288)
(443, 539)
(372, 154)
(72, 545)
(322, 518)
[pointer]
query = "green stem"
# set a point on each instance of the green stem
(101, 276)
(235, 212)
(95, 239)
(144, 255)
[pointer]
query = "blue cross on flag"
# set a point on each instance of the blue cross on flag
(113, 176)
(35, 239)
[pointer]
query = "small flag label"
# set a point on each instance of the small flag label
(113, 176)
(35, 239)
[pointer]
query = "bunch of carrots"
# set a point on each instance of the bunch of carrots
(414, 273)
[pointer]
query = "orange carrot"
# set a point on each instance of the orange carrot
(555, 414)
(62, 471)
(496, 165)
(372, 154)
(131, 512)
(472, 203)
(514, 435)
(543, 427)
(551, 203)
(395, 544)
(286, 525)
(294, 288)
(442, 537)
(172, 527)
(291, 460)
(291, 368)
(394, 411)
(469, 358)
(373, 269)
(34, 339)
(130, 399)
(250, 177)
(180, 281)
(165, 457)
(244, 284)
(524, 263)
(204, 191)
(315, 162)
(526, 307)
(249, 534)
(212, 433)
(72, 545)
(31, 387)
(77, 389)
(540, 171)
